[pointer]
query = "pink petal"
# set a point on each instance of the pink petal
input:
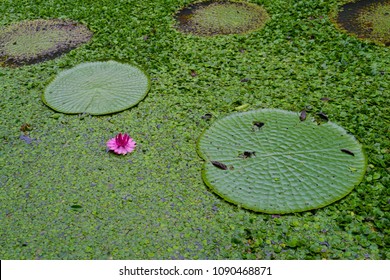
(111, 144)
(120, 151)
(119, 139)
(131, 144)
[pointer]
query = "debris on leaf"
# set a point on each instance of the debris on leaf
(303, 115)
(257, 125)
(220, 165)
(247, 154)
(348, 152)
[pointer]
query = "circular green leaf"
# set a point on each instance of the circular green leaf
(97, 88)
(368, 19)
(211, 18)
(270, 161)
(33, 41)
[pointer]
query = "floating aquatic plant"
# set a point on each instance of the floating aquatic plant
(366, 19)
(38, 40)
(97, 88)
(121, 144)
(221, 17)
(276, 162)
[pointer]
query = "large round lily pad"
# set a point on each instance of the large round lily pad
(34, 41)
(211, 18)
(366, 19)
(272, 161)
(97, 88)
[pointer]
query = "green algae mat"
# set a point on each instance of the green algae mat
(64, 195)
(274, 162)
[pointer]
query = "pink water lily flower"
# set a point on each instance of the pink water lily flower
(121, 144)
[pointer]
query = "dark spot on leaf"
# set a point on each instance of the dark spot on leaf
(302, 115)
(347, 152)
(247, 154)
(76, 206)
(220, 165)
(257, 125)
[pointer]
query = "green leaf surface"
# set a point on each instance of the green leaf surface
(270, 161)
(97, 88)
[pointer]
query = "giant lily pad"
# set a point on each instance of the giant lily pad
(33, 41)
(97, 88)
(367, 19)
(272, 161)
(211, 18)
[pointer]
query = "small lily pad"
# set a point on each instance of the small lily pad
(272, 161)
(97, 88)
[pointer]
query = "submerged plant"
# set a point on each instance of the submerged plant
(33, 41)
(221, 17)
(367, 19)
(121, 144)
